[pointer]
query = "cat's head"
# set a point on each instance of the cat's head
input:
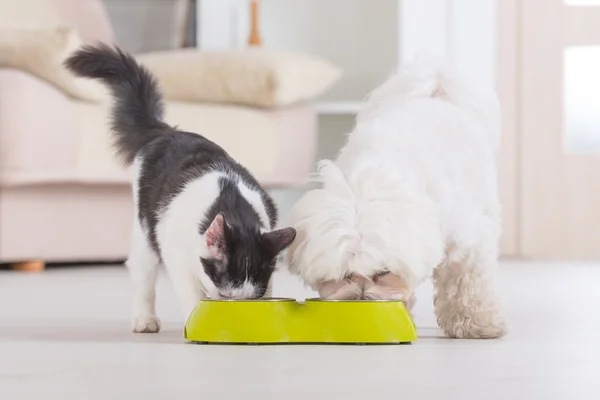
(241, 261)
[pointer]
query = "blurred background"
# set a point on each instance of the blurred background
(64, 199)
(66, 209)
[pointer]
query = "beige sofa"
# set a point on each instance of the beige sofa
(63, 197)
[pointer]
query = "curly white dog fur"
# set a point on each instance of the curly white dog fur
(412, 193)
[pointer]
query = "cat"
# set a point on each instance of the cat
(198, 212)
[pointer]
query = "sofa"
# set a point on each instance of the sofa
(63, 196)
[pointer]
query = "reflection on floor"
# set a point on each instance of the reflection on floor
(66, 333)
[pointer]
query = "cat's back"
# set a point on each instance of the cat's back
(180, 177)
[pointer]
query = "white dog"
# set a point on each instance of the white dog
(412, 193)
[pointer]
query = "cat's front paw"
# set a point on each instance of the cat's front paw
(146, 324)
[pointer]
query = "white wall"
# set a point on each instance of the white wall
(473, 37)
(358, 35)
(464, 30)
(365, 37)
(144, 25)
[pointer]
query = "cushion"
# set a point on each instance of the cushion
(41, 52)
(89, 17)
(28, 12)
(254, 77)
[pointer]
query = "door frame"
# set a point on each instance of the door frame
(509, 86)
(482, 38)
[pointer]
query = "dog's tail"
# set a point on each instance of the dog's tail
(428, 77)
(363, 225)
(138, 105)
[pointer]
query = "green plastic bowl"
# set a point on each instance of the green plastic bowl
(281, 320)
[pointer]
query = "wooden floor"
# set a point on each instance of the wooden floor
(65, 334)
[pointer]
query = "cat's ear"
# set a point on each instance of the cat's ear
(281, 238)
(215, 237)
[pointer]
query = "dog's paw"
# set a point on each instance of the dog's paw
(386, 286)
(474, 327)
(346, 289)
(376, 292)
(146, 324)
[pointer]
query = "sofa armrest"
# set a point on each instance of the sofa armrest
(38, 131)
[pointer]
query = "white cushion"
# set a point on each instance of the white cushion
(254, 77)
(41, 52)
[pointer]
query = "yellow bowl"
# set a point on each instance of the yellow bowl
(271, 321)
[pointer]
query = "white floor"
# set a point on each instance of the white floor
(64, 334)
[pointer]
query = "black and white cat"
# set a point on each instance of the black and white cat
(198, 211)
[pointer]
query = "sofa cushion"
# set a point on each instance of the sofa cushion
(88, 17)
(41, 52)
(47, 139)
(254, 77)
(277, 146)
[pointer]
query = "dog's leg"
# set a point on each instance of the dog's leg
(466, 302)
(143, 264)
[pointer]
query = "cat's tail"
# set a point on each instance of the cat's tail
(137, 111)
